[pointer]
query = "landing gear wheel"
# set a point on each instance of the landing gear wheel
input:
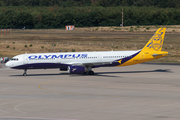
(91, 73)
(25, 74)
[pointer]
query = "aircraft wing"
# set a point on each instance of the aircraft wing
(91, 64)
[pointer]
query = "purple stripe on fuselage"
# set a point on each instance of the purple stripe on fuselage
(41, 66)
(128, 58)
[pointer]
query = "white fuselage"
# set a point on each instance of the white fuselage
(64, 59)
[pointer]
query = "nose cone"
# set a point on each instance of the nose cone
(8, 64)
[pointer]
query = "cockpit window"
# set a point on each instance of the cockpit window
(14, 59)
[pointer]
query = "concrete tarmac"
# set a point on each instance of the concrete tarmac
(139, 92)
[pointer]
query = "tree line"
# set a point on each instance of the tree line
(58, 17)
(83, 3)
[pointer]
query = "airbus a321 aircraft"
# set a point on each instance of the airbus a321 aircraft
(83, 62)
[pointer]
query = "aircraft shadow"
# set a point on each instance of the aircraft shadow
(102, 74)
(70, 75)
(158, 70)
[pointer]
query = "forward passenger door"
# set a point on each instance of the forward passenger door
(25, 59)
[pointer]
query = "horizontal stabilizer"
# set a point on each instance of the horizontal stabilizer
(155, 55)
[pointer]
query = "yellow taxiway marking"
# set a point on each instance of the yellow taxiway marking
(39, 86)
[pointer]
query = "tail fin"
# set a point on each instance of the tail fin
(156, 42)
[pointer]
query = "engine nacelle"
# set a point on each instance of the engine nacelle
(76, 69)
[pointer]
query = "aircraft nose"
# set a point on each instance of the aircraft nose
(8, 64)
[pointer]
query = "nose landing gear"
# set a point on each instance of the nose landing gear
(25, 74)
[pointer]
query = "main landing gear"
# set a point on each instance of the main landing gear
(90, 72)
(25, 74)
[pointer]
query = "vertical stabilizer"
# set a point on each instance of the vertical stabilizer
(156, 42)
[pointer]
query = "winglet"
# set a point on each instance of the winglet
(156, 42)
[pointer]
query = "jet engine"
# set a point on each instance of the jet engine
(76, 69)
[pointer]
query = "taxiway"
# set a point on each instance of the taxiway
(139, 92)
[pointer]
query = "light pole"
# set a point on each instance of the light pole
(53, 46)
(121, 25)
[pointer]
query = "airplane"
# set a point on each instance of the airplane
(83, 62)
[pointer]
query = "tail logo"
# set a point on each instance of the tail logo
(74, 69)
(120, 61)
(156, 41)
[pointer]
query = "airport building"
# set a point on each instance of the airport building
(70, 27)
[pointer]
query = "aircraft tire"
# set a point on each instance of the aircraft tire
(24, 74)
(91, 72)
